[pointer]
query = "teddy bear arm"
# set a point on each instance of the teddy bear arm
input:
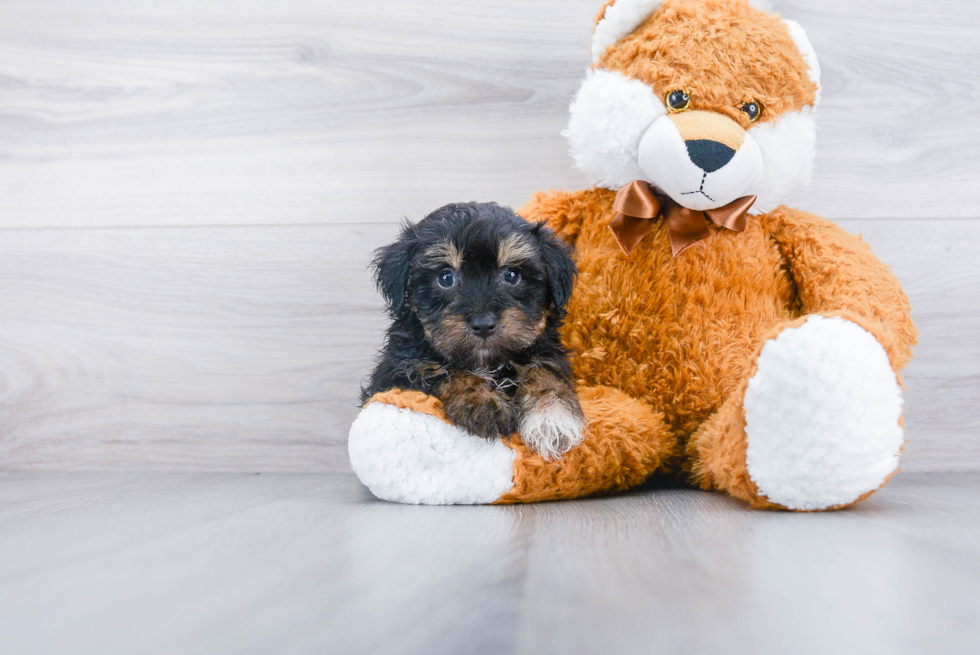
(404, 449)
(836, 273)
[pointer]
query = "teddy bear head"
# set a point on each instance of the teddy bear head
(707, 100)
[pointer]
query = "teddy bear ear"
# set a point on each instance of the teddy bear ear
(617, 19)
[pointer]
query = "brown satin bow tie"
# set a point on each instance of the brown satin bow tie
(637, 208)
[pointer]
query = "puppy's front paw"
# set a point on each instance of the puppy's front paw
(551, 426)
(490, 417)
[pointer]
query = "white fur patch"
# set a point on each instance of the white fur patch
(623, 17)
(788, 147)
(664, 160)
(822, 415)
(609, 116)
(410, 457)
(552, 430)
(612, 115)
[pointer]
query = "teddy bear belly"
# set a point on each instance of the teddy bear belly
(676, 332)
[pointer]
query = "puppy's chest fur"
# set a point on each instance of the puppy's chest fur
(501, 378)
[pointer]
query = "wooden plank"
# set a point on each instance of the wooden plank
(34, 505)
(683, 572)
(244, 563)
(935, 260)
(900, 95)
(185, 348)
(220, 563)
(306, 112)
(115, 113)
(241, 349)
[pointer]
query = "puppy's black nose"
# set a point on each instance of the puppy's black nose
(709, 155)
(483, 326)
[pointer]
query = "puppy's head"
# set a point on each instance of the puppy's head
(483, 282)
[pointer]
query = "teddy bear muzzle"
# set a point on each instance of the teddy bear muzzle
(701, 159)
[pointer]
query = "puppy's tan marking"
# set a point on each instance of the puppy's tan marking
(515, 327)
(450, 334)
(515, 249)
(446, 253)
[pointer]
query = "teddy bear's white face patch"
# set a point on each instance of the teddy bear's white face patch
(619, 131)
(788, 147)
(697, 168)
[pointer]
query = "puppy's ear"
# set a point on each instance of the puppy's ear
(391, 266)
(559, 265)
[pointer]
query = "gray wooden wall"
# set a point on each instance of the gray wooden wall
(189, 192)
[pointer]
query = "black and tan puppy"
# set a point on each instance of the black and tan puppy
(476, 295)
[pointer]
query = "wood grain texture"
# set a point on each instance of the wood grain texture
(121, 113)
(222, 348)
(230, 563)
(242, 348)
(117, 113)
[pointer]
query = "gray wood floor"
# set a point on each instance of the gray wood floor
(302, 563)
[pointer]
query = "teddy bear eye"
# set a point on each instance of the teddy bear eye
(511, 276)
(446, 278)
(753, 110)
(677, 100)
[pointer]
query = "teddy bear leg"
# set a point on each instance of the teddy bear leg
(404, 450)
(815, 423)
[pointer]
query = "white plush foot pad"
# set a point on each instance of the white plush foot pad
(822, 415)
(410, 457)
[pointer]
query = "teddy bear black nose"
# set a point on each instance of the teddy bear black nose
(709, 155)
(483, 326)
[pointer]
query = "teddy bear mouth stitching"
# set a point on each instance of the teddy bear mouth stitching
(700, 190)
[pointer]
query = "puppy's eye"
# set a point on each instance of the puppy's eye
(446, 278)
(753, 110)
(510, 276)
(677, 100)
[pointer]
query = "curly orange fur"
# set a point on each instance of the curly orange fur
(678, 47)
(682, 334)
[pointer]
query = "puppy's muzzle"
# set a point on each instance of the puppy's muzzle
(483, 326)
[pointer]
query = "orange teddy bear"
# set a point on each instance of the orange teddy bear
(716, 334)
